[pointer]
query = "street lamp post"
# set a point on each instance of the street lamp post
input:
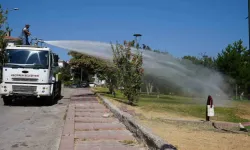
(12, 9)
(136, 38)
(8, 10)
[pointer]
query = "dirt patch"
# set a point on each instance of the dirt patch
(244, 110)
(187, 136)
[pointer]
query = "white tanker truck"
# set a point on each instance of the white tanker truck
(30, 71)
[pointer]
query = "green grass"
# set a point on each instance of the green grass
(180, 105)
(247, 127)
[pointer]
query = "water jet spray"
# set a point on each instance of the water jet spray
(183, 73)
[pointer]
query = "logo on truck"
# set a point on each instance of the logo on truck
(24, 75)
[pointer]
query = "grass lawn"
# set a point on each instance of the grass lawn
(247, 127)
(154, 111)
(185, 107)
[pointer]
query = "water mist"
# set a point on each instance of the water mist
(169, 70)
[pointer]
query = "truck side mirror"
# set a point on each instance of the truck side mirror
(56, 59)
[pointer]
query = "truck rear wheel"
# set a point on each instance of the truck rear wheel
(7, 101)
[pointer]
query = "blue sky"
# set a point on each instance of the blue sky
(181, 27)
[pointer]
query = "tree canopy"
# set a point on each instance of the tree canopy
(3, 30)
(129, 70)
(234, 61)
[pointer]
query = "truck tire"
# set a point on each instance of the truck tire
(58, 96)
(7, 101)
(50, 100)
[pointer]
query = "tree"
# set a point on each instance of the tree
(204, 60)
(132, 43)
(193, 59)
(3, 31)
(3, 17)
(146, 47)
(83, 64)
(65, 71)
(129, 70)
(149, 82)
(234, 61)
(91, 65)
(107, 72)
(80, 60)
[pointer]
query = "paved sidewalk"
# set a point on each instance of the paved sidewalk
(88, 128)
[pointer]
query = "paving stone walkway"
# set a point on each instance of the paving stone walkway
(89, 125)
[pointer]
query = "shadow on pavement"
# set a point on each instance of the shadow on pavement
(84, 95)
(32, 102)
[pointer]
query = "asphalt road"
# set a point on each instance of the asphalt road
(29, 126)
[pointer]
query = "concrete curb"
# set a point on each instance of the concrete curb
(143, 134)
(67, 139)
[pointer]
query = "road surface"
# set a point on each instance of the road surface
(29, 126)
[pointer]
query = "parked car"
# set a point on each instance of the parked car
(85, 84)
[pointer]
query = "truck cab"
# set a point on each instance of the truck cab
(30, 71)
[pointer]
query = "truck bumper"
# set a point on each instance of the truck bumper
(25, 89)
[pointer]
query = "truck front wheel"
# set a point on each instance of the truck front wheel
(58, 96)
(50, 100)
(7, 100)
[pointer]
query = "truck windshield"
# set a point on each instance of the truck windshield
(27, 59)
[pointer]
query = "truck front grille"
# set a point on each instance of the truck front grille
(25, 79)
(23, 89)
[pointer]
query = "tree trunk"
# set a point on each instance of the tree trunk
(158, 93)
(149, 88)
(130, 100)
(114, 94)
(110, 89)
